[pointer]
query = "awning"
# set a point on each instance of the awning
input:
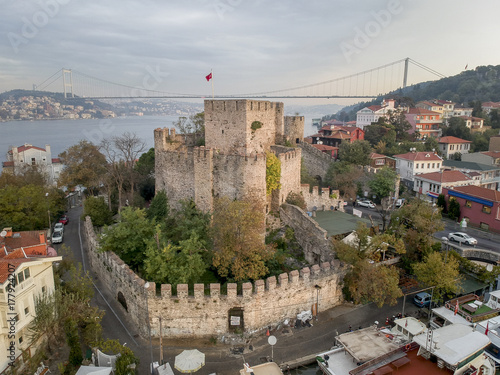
(433, 195)
(470, 285)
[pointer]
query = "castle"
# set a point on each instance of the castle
(238, 134)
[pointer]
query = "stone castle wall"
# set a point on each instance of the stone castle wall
(294, 129)
(315, 161)
(314, 240)
(265, 302)
(290, 159)
(228, 125)
(322, 201)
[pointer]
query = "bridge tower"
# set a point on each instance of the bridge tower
(405, 77)
(66, 73)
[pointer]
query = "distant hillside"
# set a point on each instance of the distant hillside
(482, 83)
(59, 97)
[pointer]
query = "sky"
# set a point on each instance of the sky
(252, 46)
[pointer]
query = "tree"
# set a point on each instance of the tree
(273, 172)
(457, 128)
(121, 153)
(26, 175)
(84, 165)
(158, 209)
(29, 207)
(98, 210)
(344, 177)
(126, 360)
(441, 202)
(194, 125)
(237, 232)
(416, 222)
(166, 263)
(368, 281)
(383, 186)
(73, 341)
(357, 153)
(145, 167)
(438, 270)
(453, 209)
(186, 222)
(128, 239)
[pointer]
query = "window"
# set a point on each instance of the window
(416, 165)
(428, 165)
(33, 161)
(26, 273)
(44, 289)
(20, 277)
(437, 165)
(21, 340)
(468, 204)
(26, 310)
(486, 210)
(433, 165)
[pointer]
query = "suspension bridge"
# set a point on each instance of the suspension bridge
(367, 84)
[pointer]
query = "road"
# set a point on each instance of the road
(486, 240)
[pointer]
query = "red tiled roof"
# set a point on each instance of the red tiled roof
(6, 264)
(374, 155)
(451, 139)
(21, 239)
(475, 119)
(27, 147)
(422, 111)
(479, 192)
(56, 160)
(325, 147)
(491, 104)
(445, 176)
(493, 154)
(419, 156)
(8, 163)
(374, 108)
(430, 104)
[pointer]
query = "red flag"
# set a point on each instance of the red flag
(406, 324)
(487, 326)
(466, 66)
(209, 77)
(456, 308)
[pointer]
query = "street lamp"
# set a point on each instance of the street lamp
(146, 287)
(48, 209)
(445, 242)
(317, 300)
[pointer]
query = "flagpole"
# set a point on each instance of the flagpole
(212, 73)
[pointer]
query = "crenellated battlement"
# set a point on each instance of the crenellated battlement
(321, 199)
(242, 105)
(197, 313)
(166, 139)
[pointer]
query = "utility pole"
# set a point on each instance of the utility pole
(161, 347)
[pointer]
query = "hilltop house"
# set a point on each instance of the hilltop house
(25, 274)
(412, 163)
(430, 185)
(484, 157)
(448, 146)
(488, 175)
(29, 155)
(424, 122)
(366, 116)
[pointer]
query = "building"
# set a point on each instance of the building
(333, 135)
(371, 114)
(480, 207)
(430, 185)
(29, 155)
(239, 135)
(490, 106)
(475, 124)
(448, 146)
(488, 175)
(462, 111)
(378, 161)
(424, 122)
(25, 274)
(412, 163)
(483, 157)
(494, 143)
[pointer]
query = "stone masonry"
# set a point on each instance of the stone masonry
(205, 312)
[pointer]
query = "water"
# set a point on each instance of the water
(61, 134)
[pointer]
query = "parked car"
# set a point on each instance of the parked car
(399, 203)
(422, 299)
(57, 237)
(365, 203)
(64, 219)
(462, 237)
(59, 227)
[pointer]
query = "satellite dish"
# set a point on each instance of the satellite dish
(272, 340)
(3, 233)
(489, 267)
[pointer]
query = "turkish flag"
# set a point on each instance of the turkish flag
(487, 326)
(456, 308)
(209, 77)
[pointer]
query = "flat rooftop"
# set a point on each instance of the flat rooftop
(366, 344)
(337, 222)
